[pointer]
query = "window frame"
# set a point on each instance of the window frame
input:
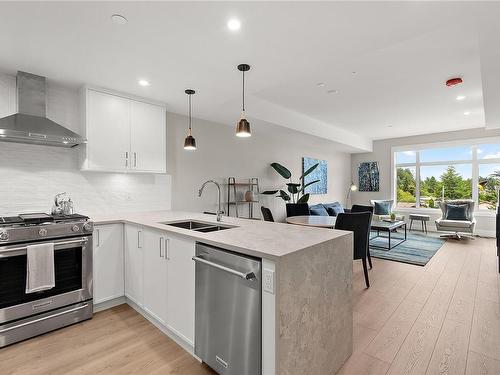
(474, 161)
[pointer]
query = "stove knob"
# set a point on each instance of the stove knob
(42, 232)
(75, 228)
(88, 227)
(4, 235)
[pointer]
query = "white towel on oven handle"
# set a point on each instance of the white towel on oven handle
(40, 273)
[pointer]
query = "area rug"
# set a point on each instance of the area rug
(417, 249)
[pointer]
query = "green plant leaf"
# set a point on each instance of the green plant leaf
(308, 184)
(293, 187)
(309, 171)
(283, 171)
(283, 195)
(304, 198)
(270, 192)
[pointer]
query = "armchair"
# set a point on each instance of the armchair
(457, 227)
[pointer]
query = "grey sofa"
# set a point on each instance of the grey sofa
(379, 217)
(457, 228)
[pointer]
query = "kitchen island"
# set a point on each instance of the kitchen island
(306, 314)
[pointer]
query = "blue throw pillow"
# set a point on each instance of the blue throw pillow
(318, 210)
(334, 209)
(456, 212)
(383, 207)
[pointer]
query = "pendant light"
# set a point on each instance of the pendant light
(243, 126)
(189, 142)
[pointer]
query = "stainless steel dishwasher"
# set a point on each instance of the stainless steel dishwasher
(228, 321)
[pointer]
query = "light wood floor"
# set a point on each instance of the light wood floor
(443, 318)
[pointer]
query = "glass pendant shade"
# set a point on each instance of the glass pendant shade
(243, 128)
(190, 143)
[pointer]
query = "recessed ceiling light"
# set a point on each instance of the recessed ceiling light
(321, 84)
(460, 97)
(143, 82)
(233, 24)
(467, 113)
(354, 73)
(332, 91)
(119, 19)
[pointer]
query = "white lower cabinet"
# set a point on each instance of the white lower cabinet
(134, 282)
(155, 275)
(160, 277)
(180, 287)
(108, 262)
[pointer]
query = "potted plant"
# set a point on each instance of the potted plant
(393, 216)
(295, 190)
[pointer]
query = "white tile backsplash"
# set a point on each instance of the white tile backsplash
(30, 176)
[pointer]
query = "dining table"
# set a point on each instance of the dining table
(312, 221)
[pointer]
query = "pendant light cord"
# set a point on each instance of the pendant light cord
(189, 98)
(243, 93)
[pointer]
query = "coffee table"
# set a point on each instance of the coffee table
(389, 227)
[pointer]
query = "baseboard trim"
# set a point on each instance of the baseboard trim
(101, 306)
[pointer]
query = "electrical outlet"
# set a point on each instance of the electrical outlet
(268, 280)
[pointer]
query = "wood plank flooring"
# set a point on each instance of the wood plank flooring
(443, 318)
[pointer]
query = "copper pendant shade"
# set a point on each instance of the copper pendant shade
(189, 142)
(243, 126)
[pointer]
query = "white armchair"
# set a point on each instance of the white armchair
(457, 228)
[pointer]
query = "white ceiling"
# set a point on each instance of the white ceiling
(401, 52)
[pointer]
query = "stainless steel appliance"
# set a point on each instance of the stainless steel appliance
(30, 124)
(24, 315)
(228, 320)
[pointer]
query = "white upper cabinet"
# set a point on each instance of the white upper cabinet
(108, 134)
(148, 137)
(8, 104)
(123, 134)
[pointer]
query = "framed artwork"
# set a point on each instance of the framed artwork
(320, 173)
(369, 178)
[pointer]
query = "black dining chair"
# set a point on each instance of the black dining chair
(359, 224)
(297, 209)
(267, 215)
(360, 208)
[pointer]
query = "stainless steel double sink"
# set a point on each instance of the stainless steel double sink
(198, 226)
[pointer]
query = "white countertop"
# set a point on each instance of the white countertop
(253, 237)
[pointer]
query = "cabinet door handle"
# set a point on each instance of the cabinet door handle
(98, 238)
(167, 248)
(126, 158)
(162, 249)
(139, 239)
(135, 159)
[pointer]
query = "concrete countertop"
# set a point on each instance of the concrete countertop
(253, 237)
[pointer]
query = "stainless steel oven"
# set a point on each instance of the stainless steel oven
(23, 315)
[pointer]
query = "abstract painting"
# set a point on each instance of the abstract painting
(369, 179)
(320, 173)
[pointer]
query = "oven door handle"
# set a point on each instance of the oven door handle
(45, 318)
(7, 249)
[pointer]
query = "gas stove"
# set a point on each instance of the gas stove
(36, 226)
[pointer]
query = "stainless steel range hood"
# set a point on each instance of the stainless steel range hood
(30, 124)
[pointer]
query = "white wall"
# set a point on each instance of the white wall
(382, 154)
(221, 154)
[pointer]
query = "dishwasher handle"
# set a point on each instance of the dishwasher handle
(243, 275)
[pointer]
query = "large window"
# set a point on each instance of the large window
(424, 176)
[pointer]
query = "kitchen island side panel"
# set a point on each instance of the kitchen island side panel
(315, 308)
